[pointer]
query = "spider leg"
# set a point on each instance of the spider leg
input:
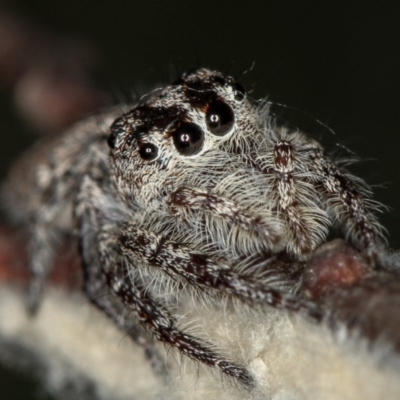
(200, 271)
(53, 189)
(349, 205)
(43, 242)
(157, 319)
(192, 199)
(296, 199)
(95, 285)
(153, 316)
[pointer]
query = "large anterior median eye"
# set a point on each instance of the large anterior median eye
(188, 139)
(220, 118)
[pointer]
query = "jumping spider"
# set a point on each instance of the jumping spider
(194, 189)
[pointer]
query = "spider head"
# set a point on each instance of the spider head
(180, 135)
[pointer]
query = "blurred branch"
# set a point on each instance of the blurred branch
(72, 345)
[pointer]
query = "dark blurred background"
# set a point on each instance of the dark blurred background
(336, 62)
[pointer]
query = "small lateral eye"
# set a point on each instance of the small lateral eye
(111, 139)
(220, 118)
(188, 139)
(240, 92)
(148, 151)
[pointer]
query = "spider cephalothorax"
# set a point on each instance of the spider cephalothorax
(197, 191)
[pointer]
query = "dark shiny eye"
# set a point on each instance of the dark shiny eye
(188, 139)
(117, 128)
(240, 92)
(148, 151)
(111, 139)
(220, 118)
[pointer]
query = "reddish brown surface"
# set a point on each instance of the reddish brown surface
(339, 279)
(12, 257)
(371, 307)
(14, 261)
(335, 264)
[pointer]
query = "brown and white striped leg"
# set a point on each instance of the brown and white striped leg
(107, 261)
(159, 321)
(178, 260)
(95, 285)
(198, 200)
(348, 202)
(298, 215)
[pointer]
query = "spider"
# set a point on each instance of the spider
(193, 190)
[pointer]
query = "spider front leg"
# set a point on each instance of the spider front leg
(156, 318)
(193, 199)
(295, 202)
(97, 290)
(94, 208)
(181, 262)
